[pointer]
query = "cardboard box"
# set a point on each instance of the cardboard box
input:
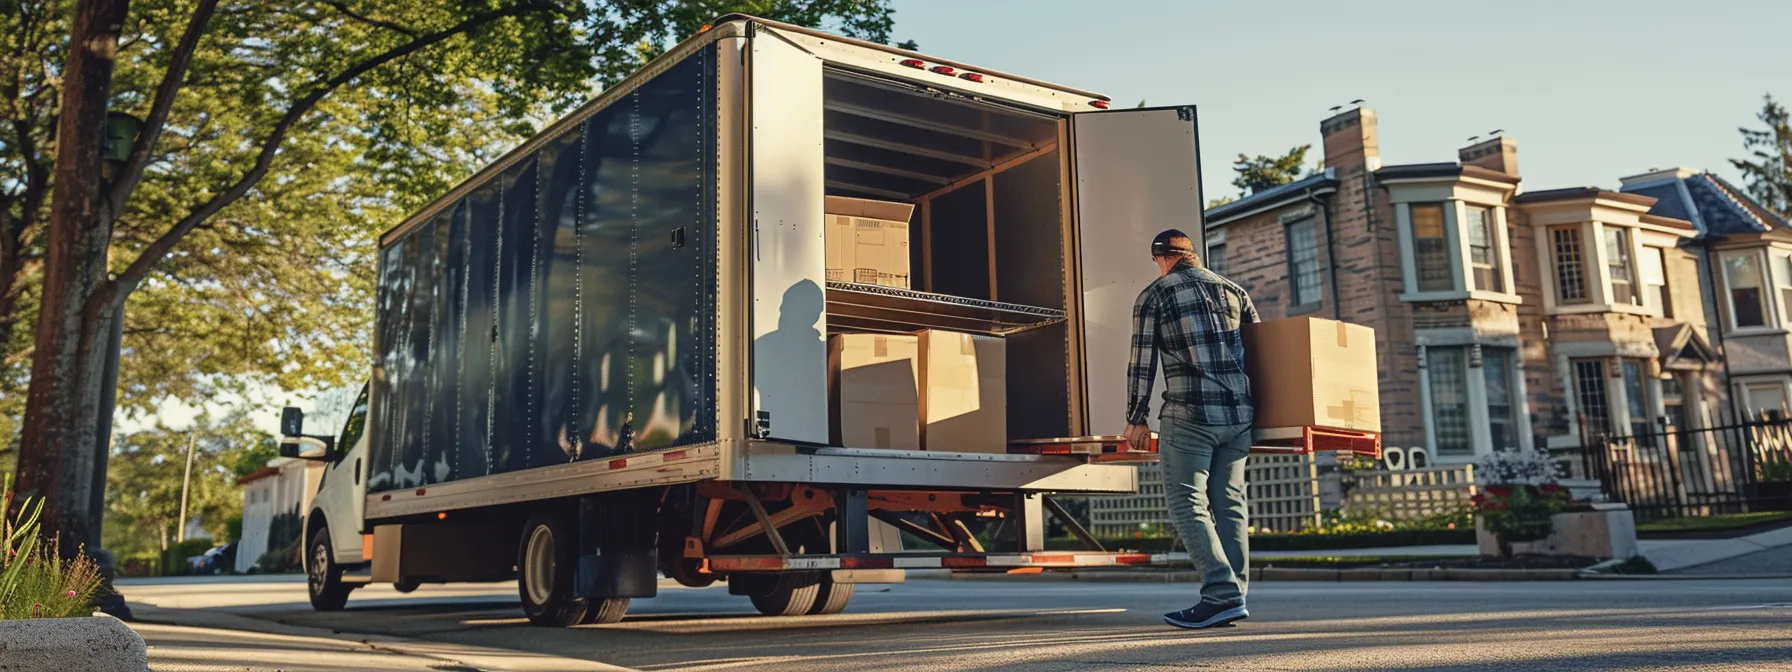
(964, 392)
(867, 241)
(874, 391)
(1312, 371)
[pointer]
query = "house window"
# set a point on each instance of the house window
(1216, 255)
(1571, 282)
(1589, 389)
(1448, 368)
(1618, 269)
(1766, 398)
(1303, 262)
(1748, 305)
(1782, 284)
(1636, 398)
(1653, 273)
(1430, 249)
(1502, 397)
(1483, 249)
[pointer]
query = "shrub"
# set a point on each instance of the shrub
(174, 560)
(35, 581)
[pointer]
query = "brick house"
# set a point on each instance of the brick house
(1502, 317)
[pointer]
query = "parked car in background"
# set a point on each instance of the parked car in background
(217, 560)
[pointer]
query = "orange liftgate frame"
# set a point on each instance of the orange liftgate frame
(1115, 448)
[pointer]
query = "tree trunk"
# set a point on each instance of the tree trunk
(60, 445)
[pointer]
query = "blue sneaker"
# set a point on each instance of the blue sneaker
(1202, 616)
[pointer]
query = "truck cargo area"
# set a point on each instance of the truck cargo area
(987, 240)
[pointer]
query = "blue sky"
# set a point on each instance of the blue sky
(1591, 90)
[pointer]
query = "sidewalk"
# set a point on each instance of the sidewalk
(207, 641)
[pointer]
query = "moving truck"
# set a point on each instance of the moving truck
(606, 356)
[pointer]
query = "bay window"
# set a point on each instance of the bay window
(1570, 265)
(1483, 249)
(1782, 283)
(1652, 271)
(1449, 400)
(1502, 397)
(1618, 269)
(1636, 399)
(1745, 284)
(1430, 248)
(1590, 395)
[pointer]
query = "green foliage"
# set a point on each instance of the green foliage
(1364, 520)
(1520, 512)
(1776, 467)
(1769, 173)
(174, 560)
(275, 288)
(1266, 172)
(1715, 523)
(284, 536)
(145, 471)
(35, 582)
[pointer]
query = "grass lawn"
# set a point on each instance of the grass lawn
(1729, 521)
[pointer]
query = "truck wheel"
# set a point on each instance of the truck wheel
(791, 595)
(831, 597)
(323, 576)
(607, 610)
(406, 586)
(546, 566)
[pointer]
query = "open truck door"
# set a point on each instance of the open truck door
(789, 255)
(1138, 172)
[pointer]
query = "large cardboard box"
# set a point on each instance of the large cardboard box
(1313, 371)
(874, 391)
(964, 392)
(867, 241)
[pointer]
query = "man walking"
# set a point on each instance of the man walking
(1190, 318)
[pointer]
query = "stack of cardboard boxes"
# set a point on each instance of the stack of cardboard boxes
(933, 390)
(938, 390)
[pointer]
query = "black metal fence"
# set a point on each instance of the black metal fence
(1697, 472)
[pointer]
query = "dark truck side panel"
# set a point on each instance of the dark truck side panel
(566, 309)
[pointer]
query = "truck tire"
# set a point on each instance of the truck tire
(323, 577)
(406, 586)
(547, 563)
(791, 595)
(607, 610)
(831, 597)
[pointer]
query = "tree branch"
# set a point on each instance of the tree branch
(132, 172)
(342, 7)
(139, 268)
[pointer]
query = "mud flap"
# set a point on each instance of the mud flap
(617, 550)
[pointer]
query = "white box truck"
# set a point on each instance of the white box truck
(604, 356)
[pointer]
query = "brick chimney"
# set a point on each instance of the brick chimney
(1351, 143)
(1499, 154)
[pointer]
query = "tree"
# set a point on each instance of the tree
(1266, 172)
(1769, 175)
(145, 473)
(351, 74)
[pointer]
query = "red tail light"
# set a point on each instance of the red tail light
(944, 70)
(914, 63)
(1099, 104)
(972, 76)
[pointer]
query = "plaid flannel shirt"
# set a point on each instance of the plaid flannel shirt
(1191, 318)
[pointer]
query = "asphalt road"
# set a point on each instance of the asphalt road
(1041, 626)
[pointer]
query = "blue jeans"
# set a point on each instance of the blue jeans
(1193, 457)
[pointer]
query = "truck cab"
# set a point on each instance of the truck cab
(333, 538)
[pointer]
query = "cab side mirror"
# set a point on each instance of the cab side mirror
(308, 448)
(292, 421)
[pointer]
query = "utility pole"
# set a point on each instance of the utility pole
(180, 534)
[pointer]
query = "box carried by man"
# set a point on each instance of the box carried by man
(1310, 373)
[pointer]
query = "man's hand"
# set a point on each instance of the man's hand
(1139, 437)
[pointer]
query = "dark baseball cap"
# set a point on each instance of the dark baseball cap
(1161, 246)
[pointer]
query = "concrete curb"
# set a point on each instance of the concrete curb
(94, 644)
(478, 657)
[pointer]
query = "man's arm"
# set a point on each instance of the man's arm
(1142, 367)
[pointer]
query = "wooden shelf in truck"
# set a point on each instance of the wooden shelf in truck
(860, 307)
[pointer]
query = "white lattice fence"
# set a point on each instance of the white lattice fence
(1283, 492)
(1414, 493)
